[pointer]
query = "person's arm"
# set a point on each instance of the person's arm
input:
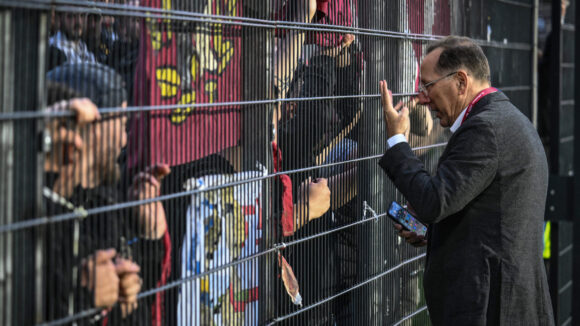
(151, 217)
(339, 51)
(289, 48)
(343, 187)
(468, 168)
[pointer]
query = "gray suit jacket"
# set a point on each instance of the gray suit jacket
(485, 208)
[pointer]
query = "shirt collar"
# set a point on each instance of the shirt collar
(457, 122)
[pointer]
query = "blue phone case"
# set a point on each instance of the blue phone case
(403, 217)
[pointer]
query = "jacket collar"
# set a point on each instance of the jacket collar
(457, 122)
(498, 96)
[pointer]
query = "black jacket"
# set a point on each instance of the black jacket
(95, 232)
(484, 207)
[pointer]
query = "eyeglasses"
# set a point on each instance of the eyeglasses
(424, 88)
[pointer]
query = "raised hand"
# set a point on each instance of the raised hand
(146, 185)
(397, 118)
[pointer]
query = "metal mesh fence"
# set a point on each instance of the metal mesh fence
(214, 162)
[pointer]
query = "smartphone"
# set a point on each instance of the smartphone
(401, 216)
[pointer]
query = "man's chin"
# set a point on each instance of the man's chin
(443, 123)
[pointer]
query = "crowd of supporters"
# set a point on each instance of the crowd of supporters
(100, 64)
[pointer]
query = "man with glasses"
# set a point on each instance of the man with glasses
(484, 205)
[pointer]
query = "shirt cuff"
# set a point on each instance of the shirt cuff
(398, 138)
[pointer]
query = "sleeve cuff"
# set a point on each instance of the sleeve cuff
(398, 138)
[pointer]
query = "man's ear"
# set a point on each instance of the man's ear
(462, 80)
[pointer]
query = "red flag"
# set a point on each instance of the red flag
(187, 63)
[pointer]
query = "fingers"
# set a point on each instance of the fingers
(386, 99)
(103, 256)
(405, 112)
(320, 187)
(402, 109)
(106, 298)
(159, 171)
(152, 176)
(124, 266)
(86, 111)
(106, 287)
(322, 181)
(128, 308)
(414, 238)
(125, 310)
(144, 177)
(347, 39)
(312, 8)
(130, 286)
(398, 106)
(406, 234)
(145, 186)
(410, 237)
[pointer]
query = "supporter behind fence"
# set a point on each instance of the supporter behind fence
(102, 259)
(484, 205)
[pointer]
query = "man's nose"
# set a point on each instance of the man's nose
(423, 99)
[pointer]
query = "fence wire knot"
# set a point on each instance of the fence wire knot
(367, 207)
(280, 246)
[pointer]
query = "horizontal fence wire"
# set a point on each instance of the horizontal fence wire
(420, 310)
(374, 278)
(111, 9)
(277, 248)
(20, 115)
(104, 209)
(137, 109)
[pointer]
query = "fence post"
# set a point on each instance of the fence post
(256, 135)
(576, 217)
(536, 5)
(6, 163)
(560, 204)
(29, 28)
(370, 307)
